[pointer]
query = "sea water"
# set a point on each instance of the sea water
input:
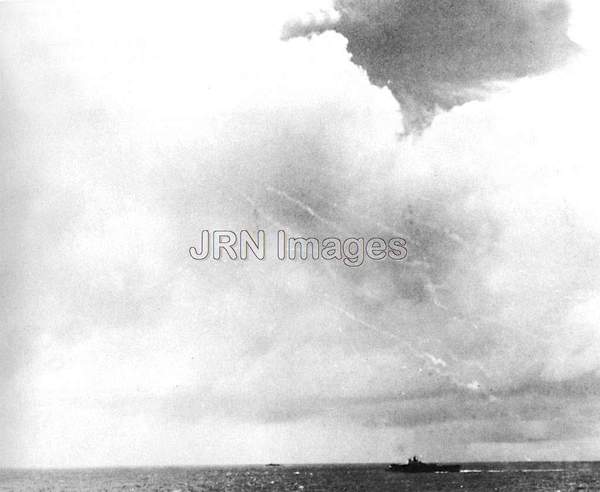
(528, 476)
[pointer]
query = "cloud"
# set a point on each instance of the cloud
(434, 55)
(124, 151)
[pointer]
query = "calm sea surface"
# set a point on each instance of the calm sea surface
(476, 476)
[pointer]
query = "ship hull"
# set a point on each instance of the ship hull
(424, 468)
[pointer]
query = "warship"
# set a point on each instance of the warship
(415, 465)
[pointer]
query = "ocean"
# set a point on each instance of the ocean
(527, 476)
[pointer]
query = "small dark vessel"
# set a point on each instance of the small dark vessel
(414, 465)
(272, 464)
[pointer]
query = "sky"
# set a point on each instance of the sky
(467, 128)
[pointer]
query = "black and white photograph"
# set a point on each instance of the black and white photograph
(300, 245)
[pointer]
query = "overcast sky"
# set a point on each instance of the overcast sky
(468, 128)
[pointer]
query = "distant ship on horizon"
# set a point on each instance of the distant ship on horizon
(414, 465)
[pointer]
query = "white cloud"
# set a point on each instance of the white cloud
(128, 144)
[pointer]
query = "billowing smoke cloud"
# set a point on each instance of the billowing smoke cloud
(435, 54)
(120, 152)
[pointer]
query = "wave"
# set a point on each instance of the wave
(525, 470)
